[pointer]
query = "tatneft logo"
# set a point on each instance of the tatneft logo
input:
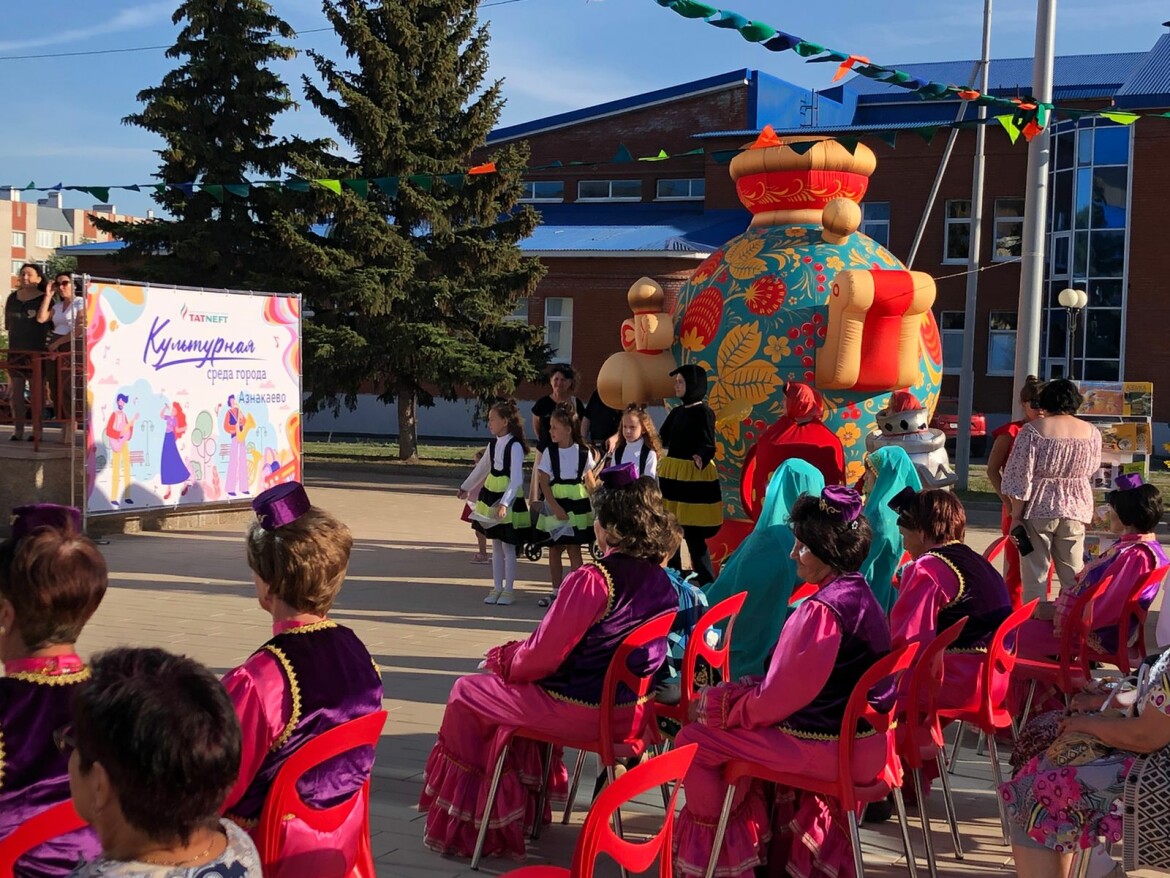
(202, 316)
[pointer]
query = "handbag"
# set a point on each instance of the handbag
(1076, 748)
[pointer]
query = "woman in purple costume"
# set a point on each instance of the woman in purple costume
(172, 469)
(553, 680)
(791, 718)
(52, 578)
(311, 676)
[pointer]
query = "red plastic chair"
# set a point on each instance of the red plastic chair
(802, 591)
(719, 658)
(283, 802)
(639, 735)
(987, 711)
(51, 823)
(1133, 615)
(844, 789)
(597, 837)
(996, 548)
(922, 737)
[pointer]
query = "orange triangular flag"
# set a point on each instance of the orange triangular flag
(767, 138)
(485, 168)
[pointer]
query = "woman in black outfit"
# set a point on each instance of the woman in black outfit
(27, 338)
(687, 476)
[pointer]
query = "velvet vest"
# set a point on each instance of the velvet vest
(865, 638)
(982, 597)
(34, 774)
(332, 680)
(638, 592)
(1107, 635)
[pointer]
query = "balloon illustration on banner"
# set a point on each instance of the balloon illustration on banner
(187, 404)
(802, 296)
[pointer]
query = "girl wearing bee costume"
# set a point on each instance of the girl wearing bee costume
(567, 520)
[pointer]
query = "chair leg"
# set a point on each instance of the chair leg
(950, 805)
(997, 773)
(658, 750)
(904, 825)
(542, 797)
(981, 744)
(1028, 702)
(924, 816)
(955, 747)
(611, 775)
(573, 787)
(486, 820)
(721, 830)
(855, 842)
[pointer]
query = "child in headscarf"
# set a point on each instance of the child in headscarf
(687, 475)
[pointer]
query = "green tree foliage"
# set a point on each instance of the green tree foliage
(215, 113)
(411, 282)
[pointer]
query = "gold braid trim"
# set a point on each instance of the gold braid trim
(955, 570)
(295, 689)
(577, 701)
(825, 736)
(1, 757)
(245, 823)
(46, 679)
(310, 629)
(609, 595)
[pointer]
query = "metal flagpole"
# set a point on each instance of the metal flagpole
(967, 371)
(1035, 212)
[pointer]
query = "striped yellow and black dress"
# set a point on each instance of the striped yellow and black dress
(516, 526)
(566, 468)
(691, 493)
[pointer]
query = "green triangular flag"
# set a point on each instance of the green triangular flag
(361, 187)
(31, 185)
(691, 8)
(850, 143)
(297, 185)
(896, 76)
(101, 193)
(926, 134)
(240, 190)
(661, 157)
(831, 55)
(332, 185)
(800, 147)
(1009, 126)
(698, 151)
(388, 185)
(757, 32)
(1121, 118)
(455, 181)
(889, 138)
(214, 190)
(804, 49)
(622, 155)
(422, 181)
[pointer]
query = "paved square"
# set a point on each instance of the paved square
(416, 600)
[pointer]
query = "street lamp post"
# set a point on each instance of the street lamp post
(1073, 301)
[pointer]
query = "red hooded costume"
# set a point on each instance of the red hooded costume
(799, 432)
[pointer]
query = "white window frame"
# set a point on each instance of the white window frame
(530, 196)
(64, 239)
(16, 264)
(519, 314)
(944, 334)
(611, 196)
(563, 353)
(992, 332)
(690, 181)
(949, 221)
(18, 239)
(995, 257)
(45, 239)
(868, 224)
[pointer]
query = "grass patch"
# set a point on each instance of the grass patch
(371, 451)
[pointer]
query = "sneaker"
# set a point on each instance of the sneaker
(481, 558)
(493, 596)
(506, 598)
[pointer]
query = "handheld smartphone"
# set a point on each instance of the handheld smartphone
(1023, 541)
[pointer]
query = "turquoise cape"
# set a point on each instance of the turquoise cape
(894, 471)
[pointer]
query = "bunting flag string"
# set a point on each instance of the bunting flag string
(1028, 116)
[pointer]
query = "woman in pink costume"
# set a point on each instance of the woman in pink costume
(312, 676)
(790, 720)
(945, 582)
(551, 682)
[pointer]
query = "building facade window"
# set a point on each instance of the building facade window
(691, 189)
(519, 313)
(558, 329)
(45, 239)
(875, 221)
(543, 190)
(609, 190)
(18, 239)
(1001, 343)
(16, 264)
(1009, 229)
(1088, 222)
(64, 240)
(957, 233)
(951, 324)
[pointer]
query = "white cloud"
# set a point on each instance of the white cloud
(131, 18)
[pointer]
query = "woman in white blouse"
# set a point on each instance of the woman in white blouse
(65, 310)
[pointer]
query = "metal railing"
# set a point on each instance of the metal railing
(62, 373)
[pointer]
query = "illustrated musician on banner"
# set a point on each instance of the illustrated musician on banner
(237, 423)
(119, 430)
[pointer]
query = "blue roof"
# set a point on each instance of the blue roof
(625, 228)
(1075, 76)
(1149, 84)
(92, 247)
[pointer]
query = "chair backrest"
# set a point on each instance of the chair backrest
(995, 549)
(801, 592)
(54, 821)
(859, 708)
(283, 799)
(597, 836)
(926, 681)
(997, 669)
(1134, 614)
(718, 657)
(619, 673)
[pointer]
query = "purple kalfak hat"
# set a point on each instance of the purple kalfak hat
(281, 505)
(1128, 481)
(842, 502)
(619, 476)
(34, 516)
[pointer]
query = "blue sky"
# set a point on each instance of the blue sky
(64, 113)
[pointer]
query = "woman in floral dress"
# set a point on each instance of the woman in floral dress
(1058, 809)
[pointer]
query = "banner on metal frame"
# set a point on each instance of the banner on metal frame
(193, 396)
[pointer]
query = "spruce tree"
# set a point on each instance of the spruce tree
(215, 113)
(411, 281)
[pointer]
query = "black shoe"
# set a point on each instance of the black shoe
(15, 438)
(879, 812)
